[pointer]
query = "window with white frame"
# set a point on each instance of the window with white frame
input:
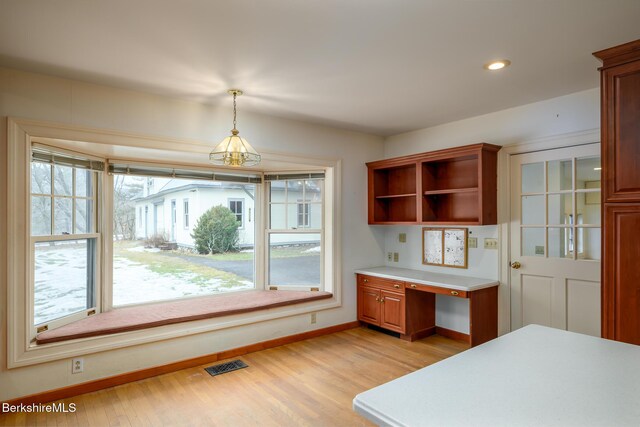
(65, 238)
(88, 253)
(295, 253)
(236, 206)
(78, 272)
(303, 215)
(185, 213)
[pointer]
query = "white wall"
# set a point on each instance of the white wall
(39, 97)
(567, 114)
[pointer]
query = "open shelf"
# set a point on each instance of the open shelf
(396, 195)
(454, 208)
(452, 186)
(451, 191)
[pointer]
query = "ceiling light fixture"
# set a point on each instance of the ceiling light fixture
(234, 150)
(497, 65)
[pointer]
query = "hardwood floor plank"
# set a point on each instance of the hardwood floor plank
(306, 383)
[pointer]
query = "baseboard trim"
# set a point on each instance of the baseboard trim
(454, 335)
(88, 387)
(420, 334)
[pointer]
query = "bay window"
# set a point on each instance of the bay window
(103, 233)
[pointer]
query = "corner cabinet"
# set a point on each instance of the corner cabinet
(620, 109)
(452, 186)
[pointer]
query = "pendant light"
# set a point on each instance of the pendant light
(234, 150)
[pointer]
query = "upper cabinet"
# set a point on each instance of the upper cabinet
(452, 186)
(620, 86)
(620, 127)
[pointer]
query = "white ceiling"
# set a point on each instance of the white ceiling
(379, 66)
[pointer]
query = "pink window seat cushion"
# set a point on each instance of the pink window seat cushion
(166, 313)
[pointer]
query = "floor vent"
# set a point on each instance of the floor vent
(223, 368)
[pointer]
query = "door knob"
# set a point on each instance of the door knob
(516, 265)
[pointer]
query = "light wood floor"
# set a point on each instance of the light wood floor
(308, 383)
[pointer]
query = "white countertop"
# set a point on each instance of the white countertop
(535, 376)
(450, 281)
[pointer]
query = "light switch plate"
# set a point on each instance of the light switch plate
(473, 242)
(490, 243)
(396, 256)
(402, 237)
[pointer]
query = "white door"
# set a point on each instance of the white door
(555, 239)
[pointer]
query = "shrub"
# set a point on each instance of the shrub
(216, 231)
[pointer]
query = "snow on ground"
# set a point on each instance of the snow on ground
(135, 283)
(60, 282)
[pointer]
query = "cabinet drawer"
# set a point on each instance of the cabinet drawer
(378, 282)
(436, 290)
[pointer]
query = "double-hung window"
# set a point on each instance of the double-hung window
(295, 250)
(65, 238)
(236, 206)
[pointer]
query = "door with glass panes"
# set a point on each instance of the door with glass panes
(555, 239)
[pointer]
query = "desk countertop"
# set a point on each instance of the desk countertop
(449, 281)
(535, 376)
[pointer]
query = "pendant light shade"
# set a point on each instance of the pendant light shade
(234, 150)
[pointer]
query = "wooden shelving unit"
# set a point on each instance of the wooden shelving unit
(453, 186)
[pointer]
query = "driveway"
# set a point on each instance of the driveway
(302, 270)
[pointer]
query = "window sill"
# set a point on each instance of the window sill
(148, 316)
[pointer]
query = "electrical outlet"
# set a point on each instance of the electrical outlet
(473, 242)
(313, 318)
(396, 256)
(390, 256)
(402, 237)
(77, 365)
(490, 243)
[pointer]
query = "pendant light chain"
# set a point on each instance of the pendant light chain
(234, 110)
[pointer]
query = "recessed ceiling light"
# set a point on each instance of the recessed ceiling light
(497, 65)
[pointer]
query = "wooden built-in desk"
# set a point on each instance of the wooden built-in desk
(404, 301)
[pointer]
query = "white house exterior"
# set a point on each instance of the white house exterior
(171, 207)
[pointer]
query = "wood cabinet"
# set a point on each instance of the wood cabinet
(409, 308)
(382, 302)
(452, 186)
(620, 103)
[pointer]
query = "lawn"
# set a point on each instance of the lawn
(141, 275)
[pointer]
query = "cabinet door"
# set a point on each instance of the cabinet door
(369, 304)
(393, 311)
(621, 132)
(621, 290)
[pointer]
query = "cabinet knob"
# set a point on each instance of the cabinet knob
(365, 280)
(455, 293)
(396, 286)
(413, 286)
(382, 300)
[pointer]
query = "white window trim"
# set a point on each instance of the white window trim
(238, 199)
(21, 134)
(186, 218)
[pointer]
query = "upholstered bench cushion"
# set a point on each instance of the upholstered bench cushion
(166, 313)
